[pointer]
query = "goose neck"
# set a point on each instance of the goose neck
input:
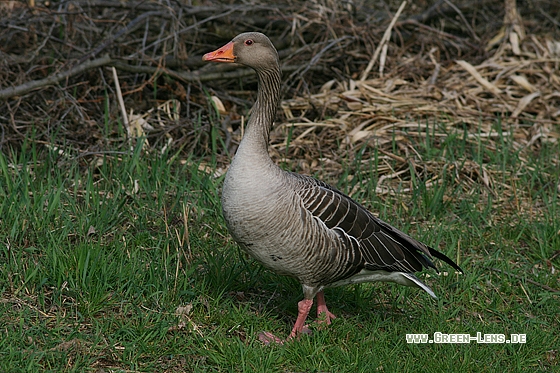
(263, 113)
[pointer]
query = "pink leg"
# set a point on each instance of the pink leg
(304, 307)
(322, 308)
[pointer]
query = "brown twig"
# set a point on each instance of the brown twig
(106, 60)
(53, 79)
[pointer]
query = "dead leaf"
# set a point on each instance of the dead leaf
(523, 103)
(219, 105)
(479, 78)
(184, 311)
(91, 231)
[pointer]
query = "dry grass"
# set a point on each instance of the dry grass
(438, 71)
(507, 95)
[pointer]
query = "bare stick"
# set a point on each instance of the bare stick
(384, 40)
(194, 76)
(53, 79)
(121, 101)
(198, 75)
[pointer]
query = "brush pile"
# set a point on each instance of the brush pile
(358, 75)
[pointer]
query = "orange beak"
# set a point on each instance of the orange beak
(224, 54)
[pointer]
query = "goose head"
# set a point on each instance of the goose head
(251, 49)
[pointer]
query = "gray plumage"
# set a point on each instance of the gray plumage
(297, 225)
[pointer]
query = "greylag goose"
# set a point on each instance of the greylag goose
(299, 226)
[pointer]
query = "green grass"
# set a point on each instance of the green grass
(96, 260)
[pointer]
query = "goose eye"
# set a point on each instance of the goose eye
(249, 42)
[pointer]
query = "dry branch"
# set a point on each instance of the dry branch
(53, 79)
(194, 76)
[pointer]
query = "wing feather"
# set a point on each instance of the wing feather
(377, 245)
